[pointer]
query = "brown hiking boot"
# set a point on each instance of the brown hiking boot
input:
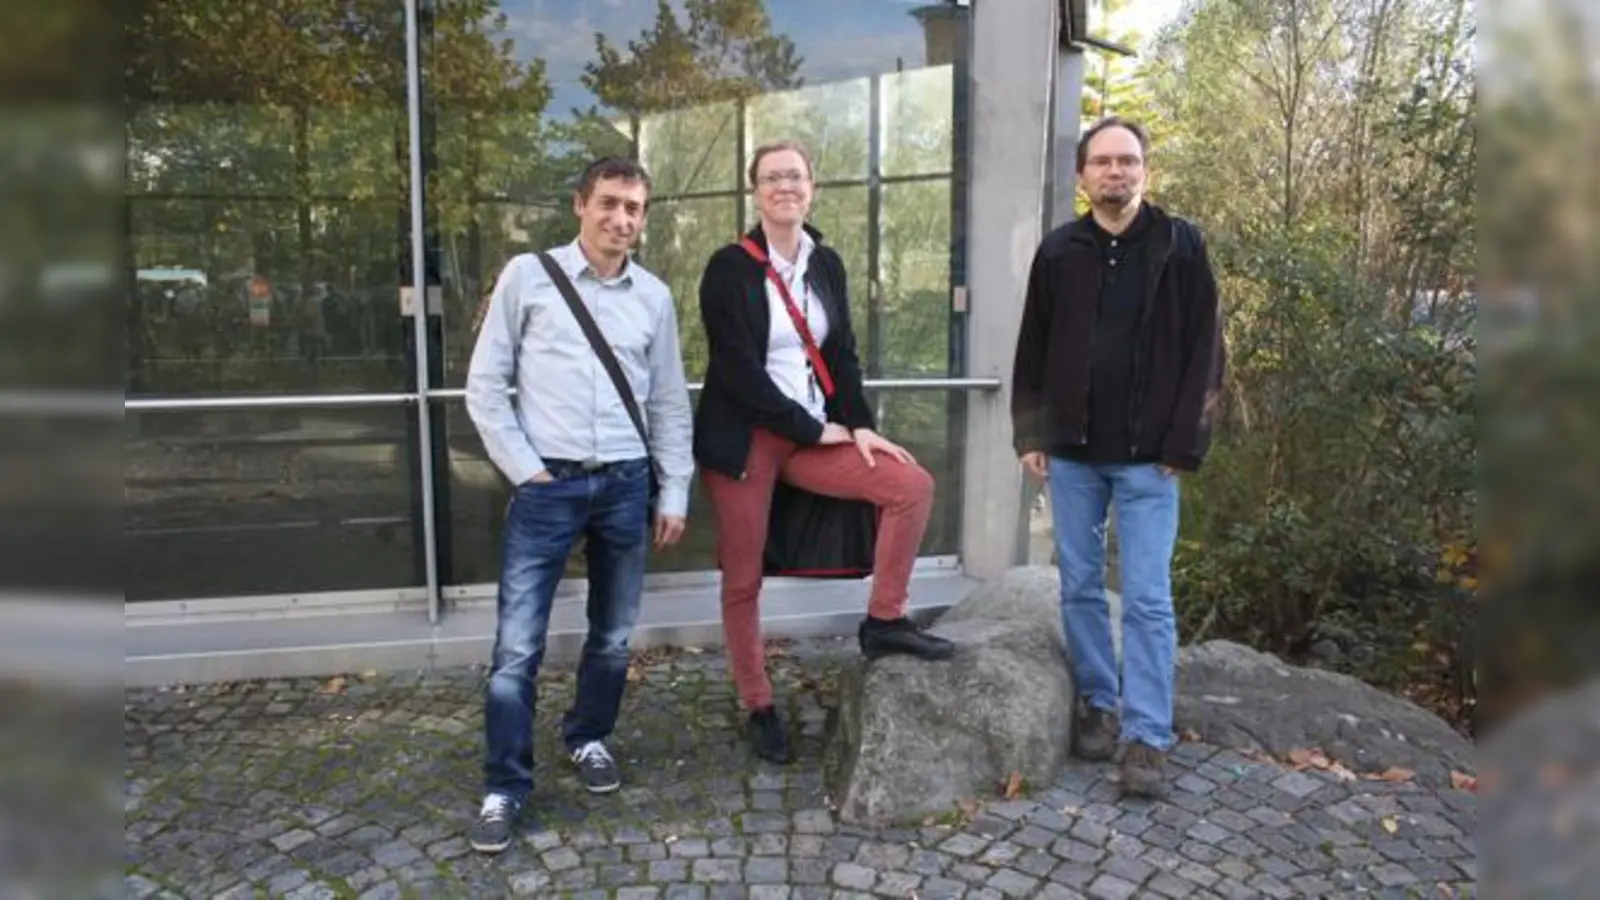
(1142, 771)
(1094, 732)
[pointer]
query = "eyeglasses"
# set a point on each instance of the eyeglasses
(774, 179)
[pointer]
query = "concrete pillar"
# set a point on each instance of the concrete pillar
(1069, 114)
(1014, 64)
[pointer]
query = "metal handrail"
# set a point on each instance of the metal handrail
(305, 401)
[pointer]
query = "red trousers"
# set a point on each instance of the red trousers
(904, 494)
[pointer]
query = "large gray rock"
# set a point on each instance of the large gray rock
(1242, 699)
(910, 738)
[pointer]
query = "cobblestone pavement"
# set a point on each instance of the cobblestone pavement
(363, 787)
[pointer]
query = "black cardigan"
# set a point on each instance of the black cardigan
(739, 395)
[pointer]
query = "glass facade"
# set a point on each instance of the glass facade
(270, 204)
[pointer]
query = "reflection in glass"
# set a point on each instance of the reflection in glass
(268, 502)
(918, 121)
(915, 270)
(830, 119)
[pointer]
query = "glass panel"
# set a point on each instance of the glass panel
(212, 318)
(680, 236)
(689, 89)
(267, 162)
(920, 422)
(918, 121)
(268, 502)
(914, 264)
(831, 120)
(692, 150)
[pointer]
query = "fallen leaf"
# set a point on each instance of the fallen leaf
(1320, 761)
(1463, 782)
(1300, 757)
(1342, 773)
(635, 675)
(1396, 774)
(334, 685)
(1013, 785)
(1390, 824)
(1189, 736)
(370, 673)
(967, 805)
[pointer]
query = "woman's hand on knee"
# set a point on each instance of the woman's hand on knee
(870, 442)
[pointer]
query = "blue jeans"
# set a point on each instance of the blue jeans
(1146, 502)
(610, 510)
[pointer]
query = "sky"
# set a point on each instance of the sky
(1144, 16)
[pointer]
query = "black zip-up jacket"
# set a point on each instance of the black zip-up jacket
(1179, 355)
(739, 395)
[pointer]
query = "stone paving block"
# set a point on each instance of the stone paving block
(1050, 819)
(1165, 884)
(1074, 874)
(805, 845)
(1127, 868)
(638, 893)
(1036, 863)
(716, 871)
(807, 870)
(617, 875)
(603, 856)
(561, 859)
(897, 884)
(768, 892)
(1012, 883)
(1033, 837)
(390, 890)
(883, 856)
(927, 862)
(963, 845)
(999, 853)
(1297, 784)
(854, 877)
(530, 883)
(766, 870)
(1110, 887)
(667, 870)
(941, 889)
(970, 873)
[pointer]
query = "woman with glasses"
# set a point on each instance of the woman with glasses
(783, 419)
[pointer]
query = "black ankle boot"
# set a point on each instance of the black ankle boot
(883, 637)
(769, 736)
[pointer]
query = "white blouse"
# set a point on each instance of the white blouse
(787, 362)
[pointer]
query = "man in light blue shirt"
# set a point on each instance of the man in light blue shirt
(580, 469)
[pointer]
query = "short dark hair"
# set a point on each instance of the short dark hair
(1110, 122)
(608, 167)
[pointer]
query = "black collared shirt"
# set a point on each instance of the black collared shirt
(1116, 329)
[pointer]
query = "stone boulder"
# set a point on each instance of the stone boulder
(911, 738)
(1245, 700)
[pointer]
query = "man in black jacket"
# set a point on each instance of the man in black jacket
(1119, 361)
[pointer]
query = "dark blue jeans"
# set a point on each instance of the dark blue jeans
(610, 510)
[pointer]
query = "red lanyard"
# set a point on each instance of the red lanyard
(815, 355)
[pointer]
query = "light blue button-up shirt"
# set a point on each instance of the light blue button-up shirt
(565, 405)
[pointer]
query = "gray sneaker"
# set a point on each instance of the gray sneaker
(596, 768)
(1094, 732)
(492, 832)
